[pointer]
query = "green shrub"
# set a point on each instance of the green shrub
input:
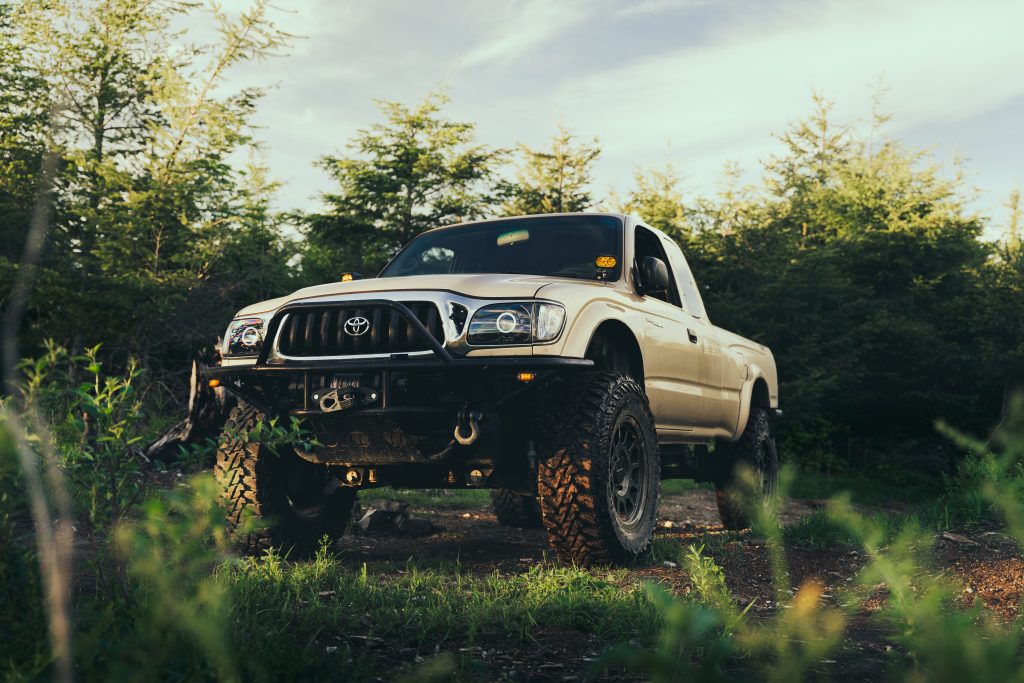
(24, 647)
(95, 425)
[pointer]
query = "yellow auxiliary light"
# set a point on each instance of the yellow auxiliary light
(526, 376)
(213, 383)
(605, 261)
(346, 277)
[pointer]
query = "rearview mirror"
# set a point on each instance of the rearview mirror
(653, 275)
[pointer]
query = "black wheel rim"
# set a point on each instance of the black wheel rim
(627, 473)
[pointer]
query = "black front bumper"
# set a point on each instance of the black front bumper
(398, 363)
(409, 405)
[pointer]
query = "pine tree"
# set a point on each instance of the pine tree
(415, 170)
(147, 195)
(554, 180)
(657, 198)
(1013, 227)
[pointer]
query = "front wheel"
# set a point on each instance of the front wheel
(600, 476)
(295, 503)
(756, 450)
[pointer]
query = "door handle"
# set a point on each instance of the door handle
(692, 334)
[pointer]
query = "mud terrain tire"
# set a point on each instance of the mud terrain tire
(285, 493)
(516, 510)
(599, 475)
(756, 449)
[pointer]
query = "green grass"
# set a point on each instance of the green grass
(471, 499)
(873, 487)
(819, 532)
(297, 619)
(670, 486)
(462, 499)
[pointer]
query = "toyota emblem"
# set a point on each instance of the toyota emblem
(357, 326)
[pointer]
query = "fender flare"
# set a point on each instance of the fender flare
(593, 315)
(754, 373)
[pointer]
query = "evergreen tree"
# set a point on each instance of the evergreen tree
(148, 201)
(1013, 227)
(657, 198)
(24, 122)
(414, 171)
(554, 180)
(858, 266)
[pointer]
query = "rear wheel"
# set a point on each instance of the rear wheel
(516, 509)
(295, 503)
(599, 480)
(756, 450)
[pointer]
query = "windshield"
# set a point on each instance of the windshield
(583, 247)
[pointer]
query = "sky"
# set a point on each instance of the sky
(694, 83)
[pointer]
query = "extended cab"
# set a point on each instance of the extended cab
(564, 361)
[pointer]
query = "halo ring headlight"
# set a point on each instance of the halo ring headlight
(506, 322)
(516, 323)
(244, 336)
(250, 336)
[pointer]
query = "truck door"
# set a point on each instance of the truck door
(672, 363)
(716, 408)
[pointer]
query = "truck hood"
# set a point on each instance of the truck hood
(470, 285)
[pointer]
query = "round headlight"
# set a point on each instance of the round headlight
(506, 323)
(251, 336)
(244, 337)
(502, 324)
(516, 323)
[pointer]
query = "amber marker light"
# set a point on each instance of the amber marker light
(213, 383)
(605, 261)
(346, 277)
(526, 376)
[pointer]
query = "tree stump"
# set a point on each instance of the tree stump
(208, 409)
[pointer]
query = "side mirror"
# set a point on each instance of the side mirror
(653, 275)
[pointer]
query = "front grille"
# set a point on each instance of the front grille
(321, 331)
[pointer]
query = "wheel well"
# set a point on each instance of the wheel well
(759, 396)
(613, 347)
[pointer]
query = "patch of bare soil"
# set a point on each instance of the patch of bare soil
(989, 566)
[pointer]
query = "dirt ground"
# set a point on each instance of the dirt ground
(986, 562)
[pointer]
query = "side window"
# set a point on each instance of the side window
(647, 244)
(684, 277)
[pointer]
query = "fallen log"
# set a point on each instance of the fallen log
(208, 409)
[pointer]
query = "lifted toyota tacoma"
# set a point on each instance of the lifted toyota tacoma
(565, 362)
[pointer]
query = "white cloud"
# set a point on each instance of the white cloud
(640, 7)
(942, 61)
(694, 82)
(522, 26)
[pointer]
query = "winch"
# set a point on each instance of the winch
(335, 399)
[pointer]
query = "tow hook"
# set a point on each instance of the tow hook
(470, 421)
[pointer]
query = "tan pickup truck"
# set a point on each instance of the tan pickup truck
(563, 361)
